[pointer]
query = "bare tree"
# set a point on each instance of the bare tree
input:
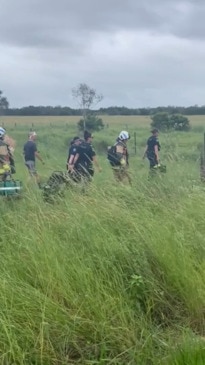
(86, 98)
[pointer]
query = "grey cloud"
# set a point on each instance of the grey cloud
(45, 23)
(136, 53)
(193, 26)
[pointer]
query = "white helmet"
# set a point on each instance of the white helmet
(2, 132)
(124, 135)
(32, 133)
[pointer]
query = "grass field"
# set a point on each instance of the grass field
(197, 120)
(115, 276)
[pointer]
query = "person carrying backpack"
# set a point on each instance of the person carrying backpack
(119, 158)
(7, 166)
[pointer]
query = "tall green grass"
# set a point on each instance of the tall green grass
(115, 275)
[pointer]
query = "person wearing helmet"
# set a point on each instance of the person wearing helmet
(30, 154)
(6, 158)
(152, 150)
(119, 158)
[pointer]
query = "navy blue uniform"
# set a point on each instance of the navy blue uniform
(29, 151)
(151, 143)
(72, 151)
(84, 164)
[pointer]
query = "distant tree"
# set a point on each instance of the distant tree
(4, 104)
(86, 98)
(165, 121)
(161, 121)
(179, 122)
(92, 122)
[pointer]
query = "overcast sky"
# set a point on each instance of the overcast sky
(137, 53)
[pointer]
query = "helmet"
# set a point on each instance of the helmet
(32, 133)
(124, 135)
(2, 132)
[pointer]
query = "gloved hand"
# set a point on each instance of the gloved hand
(157, 166)
(122, 162)
(6, 167)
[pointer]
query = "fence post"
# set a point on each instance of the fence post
(135, 142)
(204, 146)
(202, 162)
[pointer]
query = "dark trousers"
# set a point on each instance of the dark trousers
(152, 161)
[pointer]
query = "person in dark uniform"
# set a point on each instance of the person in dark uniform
(85, 158)
(152, 150)
(72, 151)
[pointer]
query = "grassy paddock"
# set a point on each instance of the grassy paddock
(113, 276)
(120, 120)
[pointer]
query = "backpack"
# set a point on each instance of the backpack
(112, 156)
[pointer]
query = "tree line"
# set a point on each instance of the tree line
(32, 110)
(88, 98)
